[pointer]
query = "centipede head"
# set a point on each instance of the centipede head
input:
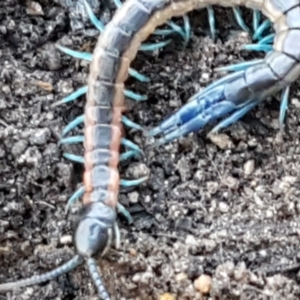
(93, 237)
(94, 232)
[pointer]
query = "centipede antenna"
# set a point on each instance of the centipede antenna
(96, 276)
(67, 267)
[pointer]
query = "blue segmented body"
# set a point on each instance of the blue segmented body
(117, 46)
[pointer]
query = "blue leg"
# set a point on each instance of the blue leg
(75, 197)
(122, 210)
(130, 183)
(118, 3)
(80, 159)
(131, 124)
(80, 192)
(256, 20)
(269, 39)
(88, 56)
(239, 18)
(77, 54)
(235, 116)
(75, 158)
(140, 77)
(240, 66)
(129, 144)
(134, 96)
(72, 97)
(258, 47)
(175, 28)
(117, 234)
(80, 119)
(128, 154)
(100, 26)
(72, 140)
(155, 46)
(77, 121)
(95, 21)
(80, 139)
(283, 106)
(187, 28)
(163, 32)
(184, 32)
(212, 22)
(83, 90)
(264, 26)
(257, 29)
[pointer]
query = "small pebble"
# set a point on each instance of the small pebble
(231, 182)
(132, 252)
(249, 167)
(223, 207)
(34, 8)
(2, 153)
(167, 296)
(133, 197)
(19, 147)
(40, 136)
(203, 284)
(66, 240)
(223, 141)
(181, 276)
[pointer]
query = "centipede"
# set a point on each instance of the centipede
(234, 94)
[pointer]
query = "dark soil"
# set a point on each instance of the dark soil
(227, 207)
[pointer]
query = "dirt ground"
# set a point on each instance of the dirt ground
(226, 207)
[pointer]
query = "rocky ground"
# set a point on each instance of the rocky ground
(217, 214)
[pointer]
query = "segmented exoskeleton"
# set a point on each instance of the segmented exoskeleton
(116, 48)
